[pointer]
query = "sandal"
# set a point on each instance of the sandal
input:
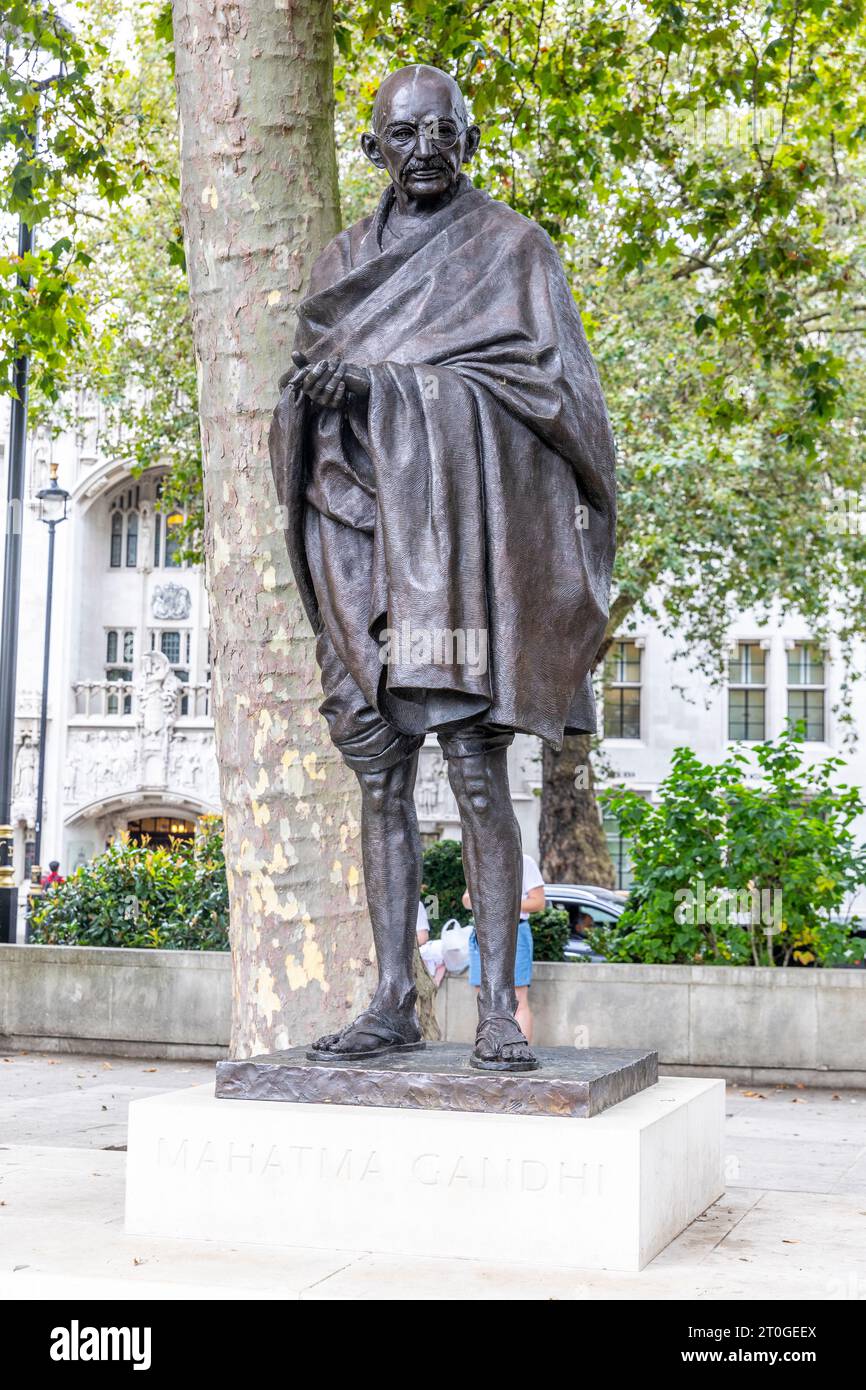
(528, 1062)
(386, 1038)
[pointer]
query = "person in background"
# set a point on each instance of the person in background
(53, 876)
(431, 951)
(532, 900)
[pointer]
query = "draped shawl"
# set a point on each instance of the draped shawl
(474, 490)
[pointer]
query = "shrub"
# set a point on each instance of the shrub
(550, 932)
(134, 895)
(730, 871)
(445, 882)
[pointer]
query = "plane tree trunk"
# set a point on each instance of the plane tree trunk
(259, 191)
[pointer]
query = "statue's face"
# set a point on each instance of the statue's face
(420, 134)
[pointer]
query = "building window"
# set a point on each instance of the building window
(166, 540)
(807, 689)
(617, 845)
(116, 539)
(622, 685)
(124, 530)
(166, 535)
(124, 643)
(747, 693)
(157, 831)
(172, 541)
(132, 540)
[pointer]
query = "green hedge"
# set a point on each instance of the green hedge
(132, 895)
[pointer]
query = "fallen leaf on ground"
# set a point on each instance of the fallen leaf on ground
(755, 1094)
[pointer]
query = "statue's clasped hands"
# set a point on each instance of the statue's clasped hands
(326, 382)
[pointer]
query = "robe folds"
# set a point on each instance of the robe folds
(472, 493)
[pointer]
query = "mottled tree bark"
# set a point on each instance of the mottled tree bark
(259, 186)
(571, 839)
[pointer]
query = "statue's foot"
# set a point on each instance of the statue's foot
(370, 1035)
(501, 1046)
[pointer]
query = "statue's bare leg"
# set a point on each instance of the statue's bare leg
(493, 861)
(391, 850)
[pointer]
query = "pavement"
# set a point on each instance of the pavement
(792, 1222)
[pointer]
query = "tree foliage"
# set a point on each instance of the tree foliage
(700, 169)
(59, 117)
(730, 869)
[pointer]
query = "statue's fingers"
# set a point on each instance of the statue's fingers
(322, 369)
(300, 360)
(315, 375)
(329, 387)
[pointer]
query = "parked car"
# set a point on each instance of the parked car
(581, 900)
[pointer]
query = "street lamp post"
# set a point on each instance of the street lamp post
(52, 510)
(9, 620)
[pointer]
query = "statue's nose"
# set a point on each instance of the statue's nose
(424, 146)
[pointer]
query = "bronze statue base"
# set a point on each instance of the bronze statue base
(577, 1082)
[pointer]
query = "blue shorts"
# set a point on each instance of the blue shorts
(522, 959)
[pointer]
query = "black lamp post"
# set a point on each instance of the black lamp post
(9, 619)
(52, 510)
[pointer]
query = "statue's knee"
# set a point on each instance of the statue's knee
(386, 790)
(472, 786)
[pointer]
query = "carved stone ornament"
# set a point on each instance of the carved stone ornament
(171, 601)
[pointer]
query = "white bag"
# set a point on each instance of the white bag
(455, 946)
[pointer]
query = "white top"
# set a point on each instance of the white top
(531, 879)
(423, 923)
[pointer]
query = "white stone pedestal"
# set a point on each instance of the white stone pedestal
(602, 1193)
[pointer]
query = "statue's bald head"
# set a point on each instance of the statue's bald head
(413, 88)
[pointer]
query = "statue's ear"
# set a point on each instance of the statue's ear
(370, 146)
(473, 140)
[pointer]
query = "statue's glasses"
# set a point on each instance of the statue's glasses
(404, 134)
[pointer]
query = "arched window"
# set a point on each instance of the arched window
(132, 540)
(116, 539)
(172, 540)
(167, 527)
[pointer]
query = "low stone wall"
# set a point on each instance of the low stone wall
(762, 1025)
(745, 1023)
(115, 1001)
